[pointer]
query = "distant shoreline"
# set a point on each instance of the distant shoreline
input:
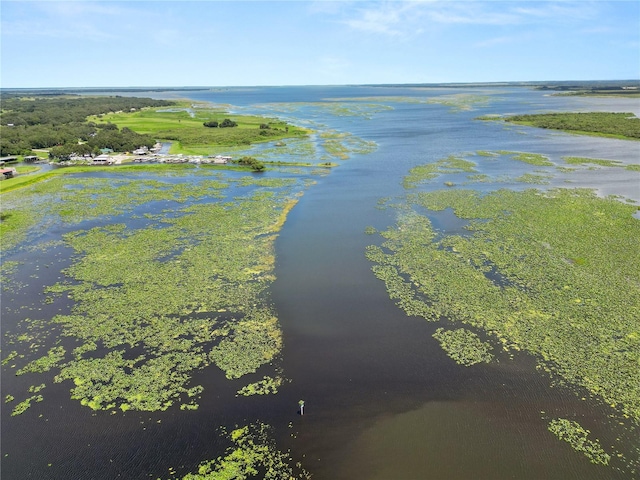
(561, 85)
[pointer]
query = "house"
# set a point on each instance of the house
(220, 159)
(102, 160)
(141, 151)
(30, 159)
(8, 172)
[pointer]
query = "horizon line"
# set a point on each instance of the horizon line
(408, 84)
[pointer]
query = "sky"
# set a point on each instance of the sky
(294, 42)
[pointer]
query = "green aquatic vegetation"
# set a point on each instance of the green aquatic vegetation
(249, 345)
(594, 161)
(530, 158)
(265, 182)
(463, 346)
(253, 454)
(429, 171)
(337, 107)
(73, 199)
(186, 291)
(36, 388)
(343, 144)
(565, 169)
(534, 179)
(43, 364)
(303, 148)
(486, 153)
(9, 357)
(576, 436)
(9, 398)
(479, 178)
(554, 273)
(633, 168)
(384, 99)
(268, 385)
(23, 406)
(7, 270)
(355, 109)
(461, 101)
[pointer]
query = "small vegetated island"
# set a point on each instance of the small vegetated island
(617, 125)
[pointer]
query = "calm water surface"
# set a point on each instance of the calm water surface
(382, 399)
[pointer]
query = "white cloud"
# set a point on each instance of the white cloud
(403, 18)
(389, 18)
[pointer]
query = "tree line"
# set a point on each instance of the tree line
(59, 124)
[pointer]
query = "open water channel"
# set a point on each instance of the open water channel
(382, 400)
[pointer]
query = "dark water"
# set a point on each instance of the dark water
(382, 400)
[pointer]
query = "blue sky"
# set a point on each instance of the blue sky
(226, 43)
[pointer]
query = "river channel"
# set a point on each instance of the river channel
(382, 399)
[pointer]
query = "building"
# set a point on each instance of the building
(7, 172)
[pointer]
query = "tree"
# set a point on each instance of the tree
(255, 164)
(211, 124)
(228, 123)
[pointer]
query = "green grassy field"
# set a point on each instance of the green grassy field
(183, 126)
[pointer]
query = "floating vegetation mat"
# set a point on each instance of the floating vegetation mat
(462, 101)
(472, 168)
(253, 454)
(339, 108)
(463, 346)
(170, 275)
(555, 273)
(576, 436)
(457, 101)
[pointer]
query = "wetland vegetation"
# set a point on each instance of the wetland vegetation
(153, 304)
(576, 436)
(252, 454)
(554, 273)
